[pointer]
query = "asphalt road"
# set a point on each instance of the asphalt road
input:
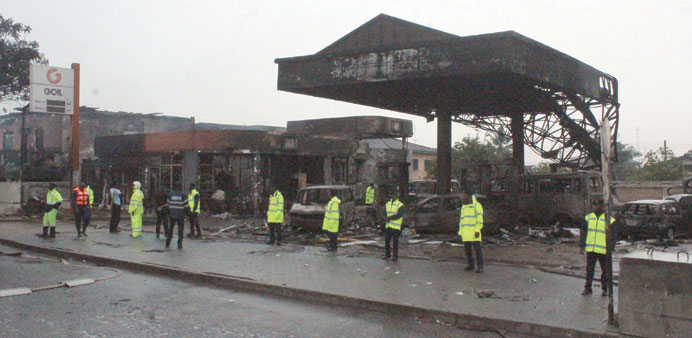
(139, 305)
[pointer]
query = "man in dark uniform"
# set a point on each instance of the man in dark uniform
(177, 208)
(161, 200)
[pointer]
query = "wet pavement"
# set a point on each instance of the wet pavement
(139, 305)
(521, 294)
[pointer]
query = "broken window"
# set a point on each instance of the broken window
(8, 140)
(414, 164)
(38, 139)
(430, 206)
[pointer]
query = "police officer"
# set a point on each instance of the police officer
(177, 204)
(194, 202)
(395, 212)
(80, 201)
(370, 194)
(275, 215)
(136, 209)
(53, 201)
(330, 224)
(593, 241)
(116, 202)
(162, 211)
(470, 226)
(91, 204)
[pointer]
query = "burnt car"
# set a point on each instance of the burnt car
(440, 214)
(307, 211)
(651, 218)
(684, 202)
(419, 190)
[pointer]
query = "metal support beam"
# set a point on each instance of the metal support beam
(517, 129)
(444, 151)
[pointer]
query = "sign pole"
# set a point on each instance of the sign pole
(75, 130)
(610, 244)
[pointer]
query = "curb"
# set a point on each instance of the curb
(465, 321)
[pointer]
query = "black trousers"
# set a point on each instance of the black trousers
(161, 218)
(274, 232)
(476, 246)
(181, 231)
(115, 217)
(591, 258)
(333, 236)
(391, 235)
(80, 219)
(194, 223)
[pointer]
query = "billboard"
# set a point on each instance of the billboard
(52, 90)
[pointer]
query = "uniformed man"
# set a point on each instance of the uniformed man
(330, 224)
(136, 209)
(80, 201)
(593, 241)
(395, 213)
(53, 201)
(177, 204)
(161, 213)
(370, 194)
(116, 202)
(91, 204)
(194, 202)
(470, 226)
(275, 215)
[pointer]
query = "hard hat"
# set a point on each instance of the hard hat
(136, 184)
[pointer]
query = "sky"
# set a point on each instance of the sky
(215, 59)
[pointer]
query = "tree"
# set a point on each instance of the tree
(627, 164)
(660, 165)
(469, 154)
(16, 54)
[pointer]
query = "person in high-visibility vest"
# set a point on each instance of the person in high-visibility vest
(91, 205)
(330, 224)
(80, 202)
(370, 194)
(53, 201)
(275, 215)
(593, 242)
(195, 203)
(395, 215)
(470, 226)
(136, 209)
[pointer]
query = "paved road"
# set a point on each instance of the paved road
(137, 305)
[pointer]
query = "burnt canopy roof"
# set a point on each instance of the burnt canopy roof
(397, 65)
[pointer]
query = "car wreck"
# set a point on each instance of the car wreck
(652, 218)
(307, 211)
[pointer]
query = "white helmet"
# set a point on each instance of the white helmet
(137, 185)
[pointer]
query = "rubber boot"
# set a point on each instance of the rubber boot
(52, 232)
(44, 234)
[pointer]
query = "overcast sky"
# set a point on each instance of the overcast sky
(215, 59)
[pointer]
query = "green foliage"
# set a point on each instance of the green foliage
(471, 152)
(659, 165)
(627, 165)
(16, 54)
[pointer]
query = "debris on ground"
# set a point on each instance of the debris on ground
(485, 293)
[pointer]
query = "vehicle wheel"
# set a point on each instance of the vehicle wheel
(670, 234)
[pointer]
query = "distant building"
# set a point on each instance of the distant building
(421, 159)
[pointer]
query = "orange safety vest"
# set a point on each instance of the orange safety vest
(82, 196)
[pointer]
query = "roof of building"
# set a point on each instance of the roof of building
(390, 143)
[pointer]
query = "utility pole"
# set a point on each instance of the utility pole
(75, 172)
(665, 150)
(610, 244)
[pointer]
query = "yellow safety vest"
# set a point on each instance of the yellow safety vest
(369, 195)
(275, 211)
(137, 202)
(471, 221)
(191, 201)
(596, 235)
(53, 197)
(392, 207)
(91, 195)
(331, 215)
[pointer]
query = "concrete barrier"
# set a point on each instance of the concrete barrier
(10, 195)
(655, 298)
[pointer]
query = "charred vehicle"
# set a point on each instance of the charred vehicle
(651, 218)
(419, 190)
(307, 211)
(440, 214)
